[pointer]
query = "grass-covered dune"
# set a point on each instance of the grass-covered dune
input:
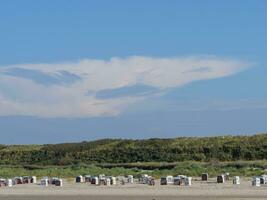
(119, 151)
(239, 155)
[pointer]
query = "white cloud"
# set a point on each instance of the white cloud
(25, 95)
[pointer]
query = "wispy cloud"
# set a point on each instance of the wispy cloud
(59, 77)
(99, 87)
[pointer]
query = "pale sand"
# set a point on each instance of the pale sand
(199, 190)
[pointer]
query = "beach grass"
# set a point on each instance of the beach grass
(189, 168)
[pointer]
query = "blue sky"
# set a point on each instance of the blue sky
(84, 70)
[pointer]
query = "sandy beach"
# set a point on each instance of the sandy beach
(199, 190)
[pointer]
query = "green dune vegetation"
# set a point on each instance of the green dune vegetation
(239, 155)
